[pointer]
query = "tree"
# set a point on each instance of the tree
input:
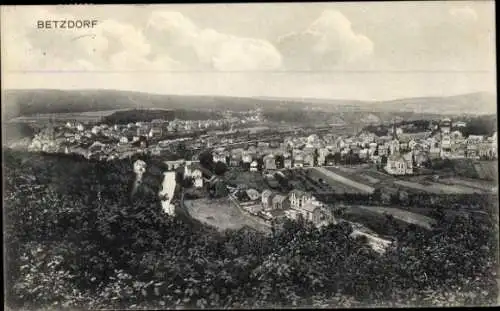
(329, 159)
(280, 161)
(337, 157)
(206, 159)
(316, 155)
(383, 160)
(220, 168)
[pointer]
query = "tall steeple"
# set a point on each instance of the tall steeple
(394, 131)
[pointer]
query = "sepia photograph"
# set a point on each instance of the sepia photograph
(249, 155)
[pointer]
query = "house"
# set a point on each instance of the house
(435, 149)
(192, 170)
(267, 197)
(394, 146)
(309, 159)
(96, 147)
(475, 139)
(280, 202)
(458, 151)
(446, 142)
(172, 165)
(299, 198)
(197, 178)
(298, 160)
(123, 140)
(312, 213)
(472, 151)
(494, 143)
(219, 157)
(445, 126)
(485, 150)
(246, 158)
(383, 150)
(404, 143)
(235, 160)
(420, 157)
(323, 152)
(321, 160)
(364, 153)
(155, 131)
(270, 162)
(80, 127)
(398, 164)
(253, 194)
(254, 166)
(287, 163)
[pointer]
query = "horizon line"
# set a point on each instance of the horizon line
(261, 97)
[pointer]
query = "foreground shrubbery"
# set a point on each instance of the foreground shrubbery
(75, 239)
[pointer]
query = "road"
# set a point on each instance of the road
(167, 191)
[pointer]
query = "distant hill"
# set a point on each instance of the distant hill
(473, 103)
(31, 102)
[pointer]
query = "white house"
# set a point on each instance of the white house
(197, 178)
(398, 164)
(254, 166)
(299, 198)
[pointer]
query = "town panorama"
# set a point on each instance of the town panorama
(265, 173)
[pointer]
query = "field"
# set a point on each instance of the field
(221, 213)
(477, 184)
(487, 170)
(364, 179)
(336, 178)
(436, 188)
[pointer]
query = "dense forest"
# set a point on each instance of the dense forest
(75, 239)
(482, 125)
(147, 115)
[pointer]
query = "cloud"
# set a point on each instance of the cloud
(167, 41)
(328, 42)
(178, 36)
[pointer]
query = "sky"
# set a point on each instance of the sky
(365, 51)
